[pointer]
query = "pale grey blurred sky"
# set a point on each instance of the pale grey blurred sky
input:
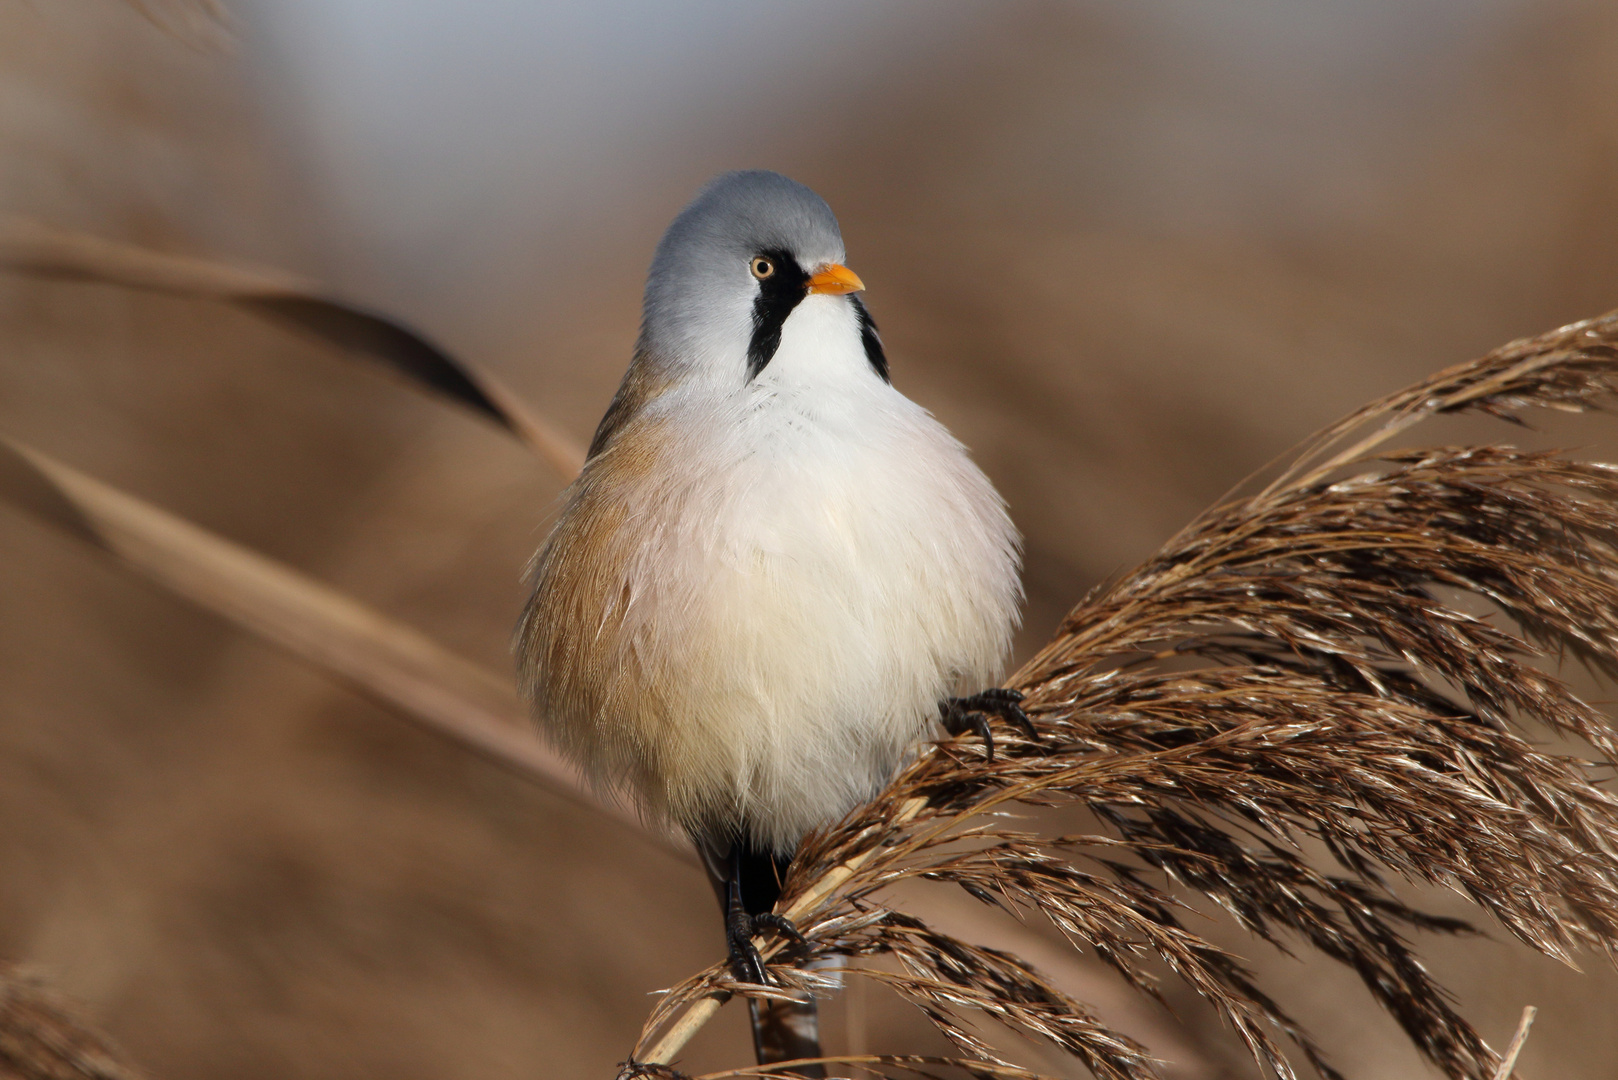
(419, 114)
(448, 135)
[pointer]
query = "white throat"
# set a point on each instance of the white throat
(820, 348)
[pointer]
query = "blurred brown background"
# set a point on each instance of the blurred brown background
(1127, 251)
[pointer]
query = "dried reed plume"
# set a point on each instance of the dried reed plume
(1304, 664)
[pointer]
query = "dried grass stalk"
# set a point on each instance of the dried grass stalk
(1304, 664)
(28, 247)
(390, 662)
(1508, 1060)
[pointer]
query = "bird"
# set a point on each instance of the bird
(775, 573)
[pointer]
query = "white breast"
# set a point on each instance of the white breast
(808, 568)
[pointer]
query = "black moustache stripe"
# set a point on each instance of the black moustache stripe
(872, 341)
(778, 294)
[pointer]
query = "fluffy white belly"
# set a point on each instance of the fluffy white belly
(751, 645)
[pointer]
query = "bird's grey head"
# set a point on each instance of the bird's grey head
(732, 267)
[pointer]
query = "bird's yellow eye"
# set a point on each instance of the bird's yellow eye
(762, 267)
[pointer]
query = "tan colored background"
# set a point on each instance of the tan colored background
(1128, 252)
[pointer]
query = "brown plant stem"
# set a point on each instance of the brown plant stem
(1508, 1061)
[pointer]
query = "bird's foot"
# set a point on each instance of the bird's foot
(741, 928)
(972, 713)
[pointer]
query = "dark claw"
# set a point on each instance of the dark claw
(1007, 704)
(972, 713)
(781, 925)
(741, 928)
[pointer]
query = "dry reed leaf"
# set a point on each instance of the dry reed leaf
(27, 247)
(42, 1036)
(1291, 668)
(391, 662)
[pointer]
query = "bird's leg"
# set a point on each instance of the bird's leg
(747, 881)
(972, 713)
(744, 958)
(742, 925)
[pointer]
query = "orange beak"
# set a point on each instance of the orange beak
(835, 279)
